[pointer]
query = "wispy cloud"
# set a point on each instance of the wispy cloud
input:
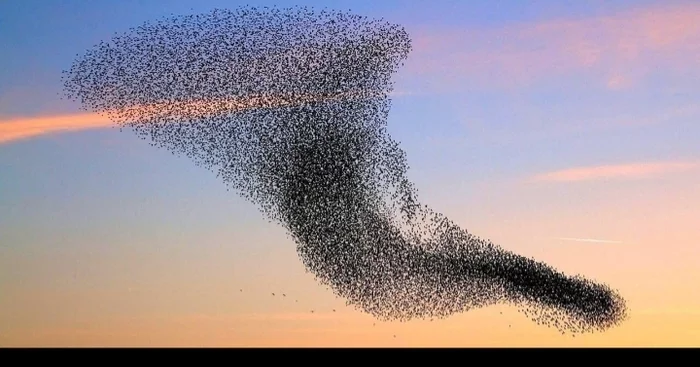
(24, 128)
(634, 170)
(14, 129)
(593, 240)
(617, 48)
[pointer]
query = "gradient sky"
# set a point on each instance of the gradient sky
(561, 130)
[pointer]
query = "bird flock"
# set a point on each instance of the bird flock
(289, 108)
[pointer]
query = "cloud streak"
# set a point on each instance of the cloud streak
(25, 128)
(622, 171)
(618, 49)
(593, 240)
(30, 127)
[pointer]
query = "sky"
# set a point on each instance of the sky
(560, 130)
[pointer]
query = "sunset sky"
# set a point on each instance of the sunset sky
(560, 130)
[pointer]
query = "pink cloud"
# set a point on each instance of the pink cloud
(623, 46)
(14, 129)
(634, 170)
(25, 128)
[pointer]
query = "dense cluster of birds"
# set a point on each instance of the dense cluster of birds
(289, 107)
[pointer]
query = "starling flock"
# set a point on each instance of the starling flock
(289, 107)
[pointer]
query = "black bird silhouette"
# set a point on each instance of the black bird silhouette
(289, 107)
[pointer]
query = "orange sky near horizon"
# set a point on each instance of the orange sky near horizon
(653, 267)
